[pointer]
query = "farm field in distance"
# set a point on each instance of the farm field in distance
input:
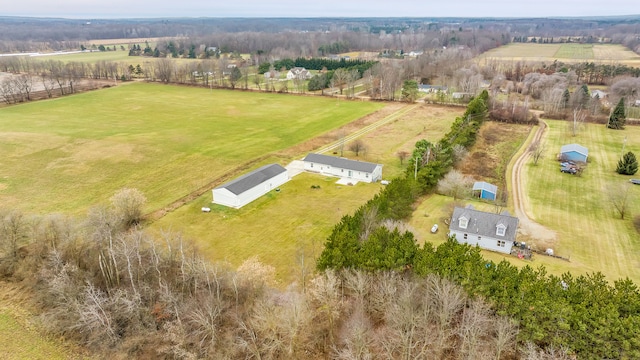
(67, 154)
(567, 52)
(280, 227)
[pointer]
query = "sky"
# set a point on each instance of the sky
(111, 9)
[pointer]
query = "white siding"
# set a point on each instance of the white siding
(488, 243)
(344, 173)
(227, 198)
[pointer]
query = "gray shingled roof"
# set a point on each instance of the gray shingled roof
(341, 163)
(250, 180)
(484, 223)
(481, 185)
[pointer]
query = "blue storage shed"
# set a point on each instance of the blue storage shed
(574, 152)
(484, 190)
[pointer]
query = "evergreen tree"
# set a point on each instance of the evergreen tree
(584, 95)
(617, 118)
(565, 98)
(628, 164)
(410, 91)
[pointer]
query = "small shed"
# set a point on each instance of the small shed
(574, 152)
(243, 190)
(484, 190)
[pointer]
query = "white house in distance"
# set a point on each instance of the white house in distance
(496, 232)
(243, 190)
(344, 168)
(299, 73)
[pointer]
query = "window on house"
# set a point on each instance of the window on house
(500, 230)
(463, 222)
(479, 238)
(501, 243)
(465, 236)
(367, 175)
(311, 164)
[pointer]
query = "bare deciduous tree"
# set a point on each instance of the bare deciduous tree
(537, 151)
(357, 146)
(128, 204)
(577, 121)
(455, 184)
(402, 155)
(620, 198)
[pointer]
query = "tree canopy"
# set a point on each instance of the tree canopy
(628, 164)
(617, 118)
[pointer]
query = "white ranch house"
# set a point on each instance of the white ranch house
(496, 232)
(344, 168)
(243, 190)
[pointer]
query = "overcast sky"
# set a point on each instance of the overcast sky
(95, 9)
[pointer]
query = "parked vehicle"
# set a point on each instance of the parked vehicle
(568, 170)
(434, 228)
(635, 181)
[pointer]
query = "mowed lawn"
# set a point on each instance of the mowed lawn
(579, 209)
(282, 228)
(67, 154)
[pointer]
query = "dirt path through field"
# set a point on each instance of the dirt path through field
(530, 231)
(324, 142)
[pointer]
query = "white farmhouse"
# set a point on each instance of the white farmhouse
(496, 232)
(299, 73)
(344, 168)
(243, 190)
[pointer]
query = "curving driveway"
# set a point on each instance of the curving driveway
(529, 230)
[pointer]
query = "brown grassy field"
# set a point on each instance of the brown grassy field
(599, 53)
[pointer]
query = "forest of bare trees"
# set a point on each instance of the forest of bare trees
(116, 290)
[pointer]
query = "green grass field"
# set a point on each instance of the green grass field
(282, 226)
(20, 331)
(578, 208)
(96, 56)
(66, 154)
(575, 51)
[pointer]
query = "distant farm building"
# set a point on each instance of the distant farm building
(484, 190)
(496, 232)
(461, 95)
(344, 168)
(574, 152)
(299, 73)
(599, 94)
(243, 190)
(425, 88)
(272, 75)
